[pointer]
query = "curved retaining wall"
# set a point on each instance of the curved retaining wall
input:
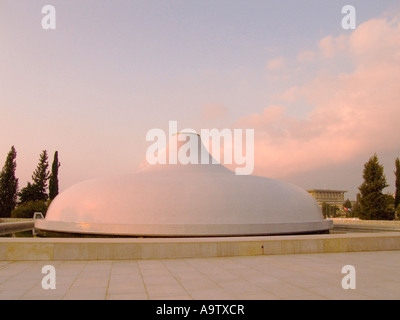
(18, 226)
(52, 249)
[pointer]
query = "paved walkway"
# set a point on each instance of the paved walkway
(308, 276)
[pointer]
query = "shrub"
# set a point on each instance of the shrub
(27, 209)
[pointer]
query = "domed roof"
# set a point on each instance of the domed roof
(184, 200)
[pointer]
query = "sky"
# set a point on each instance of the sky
(321, 99)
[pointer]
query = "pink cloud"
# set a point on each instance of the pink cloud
(330, 46)
(275, 64)
(306, 56)
(354, 113)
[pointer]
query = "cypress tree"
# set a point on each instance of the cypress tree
(37, 191)
(397, 194)
(374, 205)
(41, 176)
(53, 182)
(8, 185)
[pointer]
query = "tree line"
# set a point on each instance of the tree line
(36, 196)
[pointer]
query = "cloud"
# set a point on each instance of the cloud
(330, 46)
(275, 64)
(354, 113)
(306, 56)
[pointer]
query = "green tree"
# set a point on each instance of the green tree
(8, 185)
(37, 191)
(29, 193)
(53, 182)
(397, 174)
(374, 205)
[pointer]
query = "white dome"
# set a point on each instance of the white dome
(184, 200)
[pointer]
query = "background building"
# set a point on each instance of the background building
(332, 197)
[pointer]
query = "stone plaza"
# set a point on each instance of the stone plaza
(270, 277)
(306, 267)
